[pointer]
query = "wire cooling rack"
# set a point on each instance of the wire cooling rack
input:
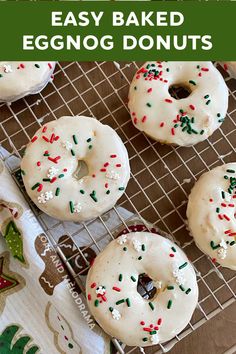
(161, 179)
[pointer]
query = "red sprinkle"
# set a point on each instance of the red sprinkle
(104, 298)
(40, 187)
(171, 255)
(65, 170)
(106, 164)
(213, 260)
(56, 137)
(192, 107)
(93, 175)
(149, 90)
(226, 67)
(118, 165)
(135, 120)
(211, 200)
(46, 152)
(142, 323)
(55, 159)
(231, 205)
(162, 124)
(106, 185)
(144, 119)
(116, 289)
(89, 297)
(22, 66)
(232, 234)
(173, 131)
(45, 138)
(38, 163)
(226, 217)
(156, 328)
(227, 232)
(146, 329)
(168, 100)
(200, 74)
(33, 139)
(93, 285)
(44, 129)
(220, 216)
(223, 205)
(204, 69)
(53, 180)
(52, 138)
(159, 321)
(113, 156)
(50, 65)
(103, 170)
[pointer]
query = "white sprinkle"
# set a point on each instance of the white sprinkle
(77, 208)
(178, 274)
(222, 253)
(67, 145)
(7, 69)
(154, 338)
(48, 195)
(122, 239)
(137, 245)
(100, 290)
(52, 172)
(158, 284)
(41, 198)
(223, 244)
(112, 175)
(115, 314)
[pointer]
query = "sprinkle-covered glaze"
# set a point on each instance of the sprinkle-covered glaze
(230, 67)
(21, 78)
(185, 121)
(120, 310)
(211, 214)
(52, 168)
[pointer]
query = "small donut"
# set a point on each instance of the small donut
(118, 307)
(185, 121)
(19, 79)
(230, 67)
(75, 168)
(211, 214)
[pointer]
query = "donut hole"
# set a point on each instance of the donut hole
(145, 287)
(82, 170)
(179, 91)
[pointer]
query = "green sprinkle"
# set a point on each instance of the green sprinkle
(57, 191)
(223, 194)
(167, 69)
(149, 104)
(88, 140)
(120, 277)
(125, 249)
(230, 171)
(232, 243)
(143, 247)
(187, 291)
(218, 115)
(135, 87)
(170, 287)
(111, 309)
(221, 120)
(90, 147)
(192, 120)
(128, 302)
(151, 305)
(194, 131)
(71, 207)
(82, 191)
(108, 191)
(75, 139)
(181, 288)
(93, 196)
(226, 177)
(35, 186)
(213, 246)
(198, 66)
(145, 339)
(133, 278)
(37, 66)
(121, 188)
(153, 332)
(217, 210)
(140, 257)
(96, 303)
(183, 265)
(169, 304)
(46, 180)
(72, 152)
(173, 249)
(207, 102)
(181, 111)
(120, 301)
(192, 82)
(206, 96)
(202, 132)
(61, 175)
(176, 125)
(1, 75)
(46, 154)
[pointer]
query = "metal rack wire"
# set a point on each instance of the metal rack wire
(161, 179)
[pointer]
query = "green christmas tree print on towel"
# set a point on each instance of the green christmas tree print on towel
(9, 345)
(14, 241)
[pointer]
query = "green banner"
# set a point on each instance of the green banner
(127, 30)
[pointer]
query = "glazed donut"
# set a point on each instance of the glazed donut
(19, 79)
(230, 67)
(75, 168)
(211, 214)
(117, 306)
(185, 121)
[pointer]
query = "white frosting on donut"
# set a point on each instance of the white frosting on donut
(22, 78)
(211, 214)
(120, 310)
(51, 162)
(230, 67)
(185, 121)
